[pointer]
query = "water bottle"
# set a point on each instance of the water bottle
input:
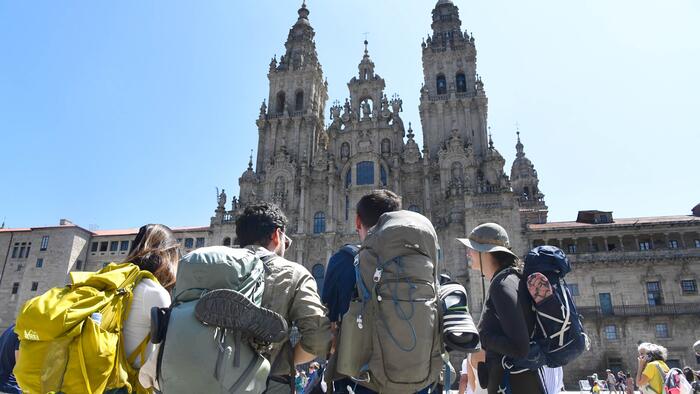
(97, 318)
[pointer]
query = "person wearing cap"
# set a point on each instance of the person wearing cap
(506, 319)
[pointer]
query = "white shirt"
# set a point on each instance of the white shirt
(147, 294)
(553, 379)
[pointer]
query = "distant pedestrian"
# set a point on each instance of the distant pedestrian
(611, 380)
(595, 388)
(629, 383)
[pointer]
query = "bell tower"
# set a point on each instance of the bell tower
(291, 119)
(452, 97)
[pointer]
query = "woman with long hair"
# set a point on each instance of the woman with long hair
(507, 319)
(155, 250)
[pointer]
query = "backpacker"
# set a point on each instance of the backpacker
(196, 358)
(558, 338)
(675, 382)
(394, 325)
(71, 337)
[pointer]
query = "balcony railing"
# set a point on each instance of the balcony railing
(617, 255)
(640, 310)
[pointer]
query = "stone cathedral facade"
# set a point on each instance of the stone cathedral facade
(317, 174)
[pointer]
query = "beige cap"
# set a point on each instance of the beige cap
(488, 237)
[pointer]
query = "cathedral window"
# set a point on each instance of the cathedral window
(280, 103)
(526, 191)
(299, 101)
(227, 241)
(347, 207)
(279, 185)
(382, 176)
(386, 146)
(461, 83)
(319, 223)
(365, 173)
(189, 243)
(319, 273)
(441, 84)
(348, 178)
(200, 242)
(689, 286)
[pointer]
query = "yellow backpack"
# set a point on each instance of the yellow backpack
(63, 350)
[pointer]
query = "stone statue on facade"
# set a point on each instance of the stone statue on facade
(221, 197)
(234, 203)
(366, 109)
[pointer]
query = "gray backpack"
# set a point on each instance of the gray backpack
(195, 358)
(393, 331)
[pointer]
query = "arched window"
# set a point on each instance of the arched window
(279, 185)
(526, 191)
(348, 178)
(319, 223)
(319, 273)
(365, 173)
(280, 103)
(227, 241)
(414, 208)
(461, 82)
(457, 171)
(344, 150)
(299, 101)
(441, 84)
(386, 146)
(382, 175)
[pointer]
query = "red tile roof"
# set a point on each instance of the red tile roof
(14, 230)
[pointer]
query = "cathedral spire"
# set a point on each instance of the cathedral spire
(366, 65)
(519, 146)
(303, 12)
(250, 162)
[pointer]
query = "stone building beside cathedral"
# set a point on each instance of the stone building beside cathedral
(633, 279)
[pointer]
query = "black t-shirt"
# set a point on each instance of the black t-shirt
(9, 343)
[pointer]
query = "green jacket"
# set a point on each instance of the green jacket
(291, 291)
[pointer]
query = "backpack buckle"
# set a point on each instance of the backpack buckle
(377, 275)
(121, 291)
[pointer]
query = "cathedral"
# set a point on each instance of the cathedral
(317, 173)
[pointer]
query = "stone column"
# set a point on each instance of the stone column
(301, 229)
(590, 245)
(426, 185)
(330, 217)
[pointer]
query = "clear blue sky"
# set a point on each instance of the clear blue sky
(119, 113)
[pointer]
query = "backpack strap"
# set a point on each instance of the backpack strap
(139, 351)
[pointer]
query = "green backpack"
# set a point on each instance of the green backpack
(390, 338)
(195, 358)
(63, 350)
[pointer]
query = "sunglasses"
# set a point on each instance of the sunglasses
(287, 241)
